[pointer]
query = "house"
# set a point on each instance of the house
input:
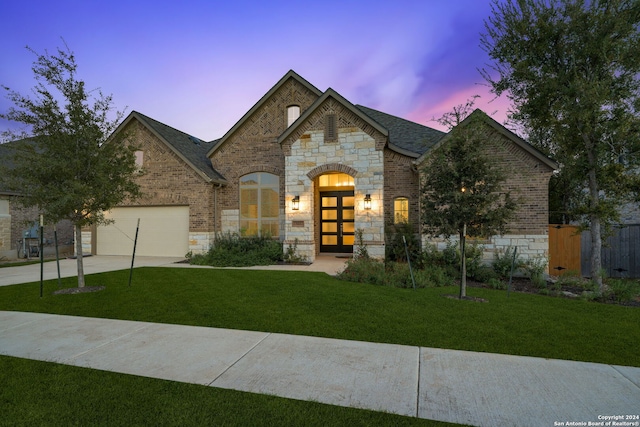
(305, 166)
(19, 226)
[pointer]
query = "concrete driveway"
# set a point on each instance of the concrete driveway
(69, 267)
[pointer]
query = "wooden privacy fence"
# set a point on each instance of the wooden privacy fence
(564, 249)
(620, 252)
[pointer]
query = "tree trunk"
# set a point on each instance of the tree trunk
(596, 251)
(463, 263)
(79, 256)
(594, 219)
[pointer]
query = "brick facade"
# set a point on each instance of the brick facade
(253, 147)
(168, 181)
(299, 154)
(401, 179)
(527, 181)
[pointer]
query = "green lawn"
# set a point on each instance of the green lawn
(37, 393)
(316, 304)
(296, 303)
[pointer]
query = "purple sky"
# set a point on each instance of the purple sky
(199, 65)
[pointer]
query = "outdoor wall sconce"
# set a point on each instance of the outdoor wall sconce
(295, 203)
(367, 201)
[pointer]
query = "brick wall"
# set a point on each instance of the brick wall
(528, 181)
(253, 148)
(168, 180)
(401, 180)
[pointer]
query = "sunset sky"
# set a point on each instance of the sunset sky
(200, 65)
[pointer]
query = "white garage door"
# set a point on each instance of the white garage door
(164, 231)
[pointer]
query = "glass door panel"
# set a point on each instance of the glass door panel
(337, 228)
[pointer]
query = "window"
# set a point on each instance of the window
(335, 180)
(401, 210)
(293, 112)
(260, 204)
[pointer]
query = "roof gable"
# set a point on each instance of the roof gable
(189, 148)
(478, 114)
(295, 129)
(290, 75)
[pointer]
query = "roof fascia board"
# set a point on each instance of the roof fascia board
(290, 74)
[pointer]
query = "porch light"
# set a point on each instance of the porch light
(295, 203)
(367, 201)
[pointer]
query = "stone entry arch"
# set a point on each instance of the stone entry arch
(331, 167)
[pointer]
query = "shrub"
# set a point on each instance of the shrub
(395, 250)
(231, 250)
(431, 256)
(292, 256)
(623, 290)
(484, 274)
(495, 283)
(534, 269)
(361, 250)
(363, 270)
(434, 276)
(395, 274)
(503, 260)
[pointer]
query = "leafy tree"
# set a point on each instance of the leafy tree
(570, 68)
(461, 190)
(68, 167)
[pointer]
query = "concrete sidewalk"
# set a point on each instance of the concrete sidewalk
(102, 263)
(461, 387)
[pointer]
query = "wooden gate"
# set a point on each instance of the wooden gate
(564, 249)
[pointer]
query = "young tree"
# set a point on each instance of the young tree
(69, 167)
(570, 68)
(461, 189)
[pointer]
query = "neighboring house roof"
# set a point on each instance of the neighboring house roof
(189, 148)
(407, 136)
(290, 74)
(477, 113)
(6, 155)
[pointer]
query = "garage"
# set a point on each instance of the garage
(164, 231)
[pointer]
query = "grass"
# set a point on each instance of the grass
(40, 393)
(315, 304)
(37, 393)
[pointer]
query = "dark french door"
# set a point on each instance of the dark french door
(337, 225)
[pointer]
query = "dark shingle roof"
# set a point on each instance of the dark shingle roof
(193, 149)
(7, 151)
(409, 136)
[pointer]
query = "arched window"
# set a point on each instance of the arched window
(400, 210)
(293, 112)
(260, 204)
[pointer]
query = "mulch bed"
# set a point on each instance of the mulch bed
(521, 284)
(86, 289)
(466, 298)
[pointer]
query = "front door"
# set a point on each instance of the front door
(337, 226)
